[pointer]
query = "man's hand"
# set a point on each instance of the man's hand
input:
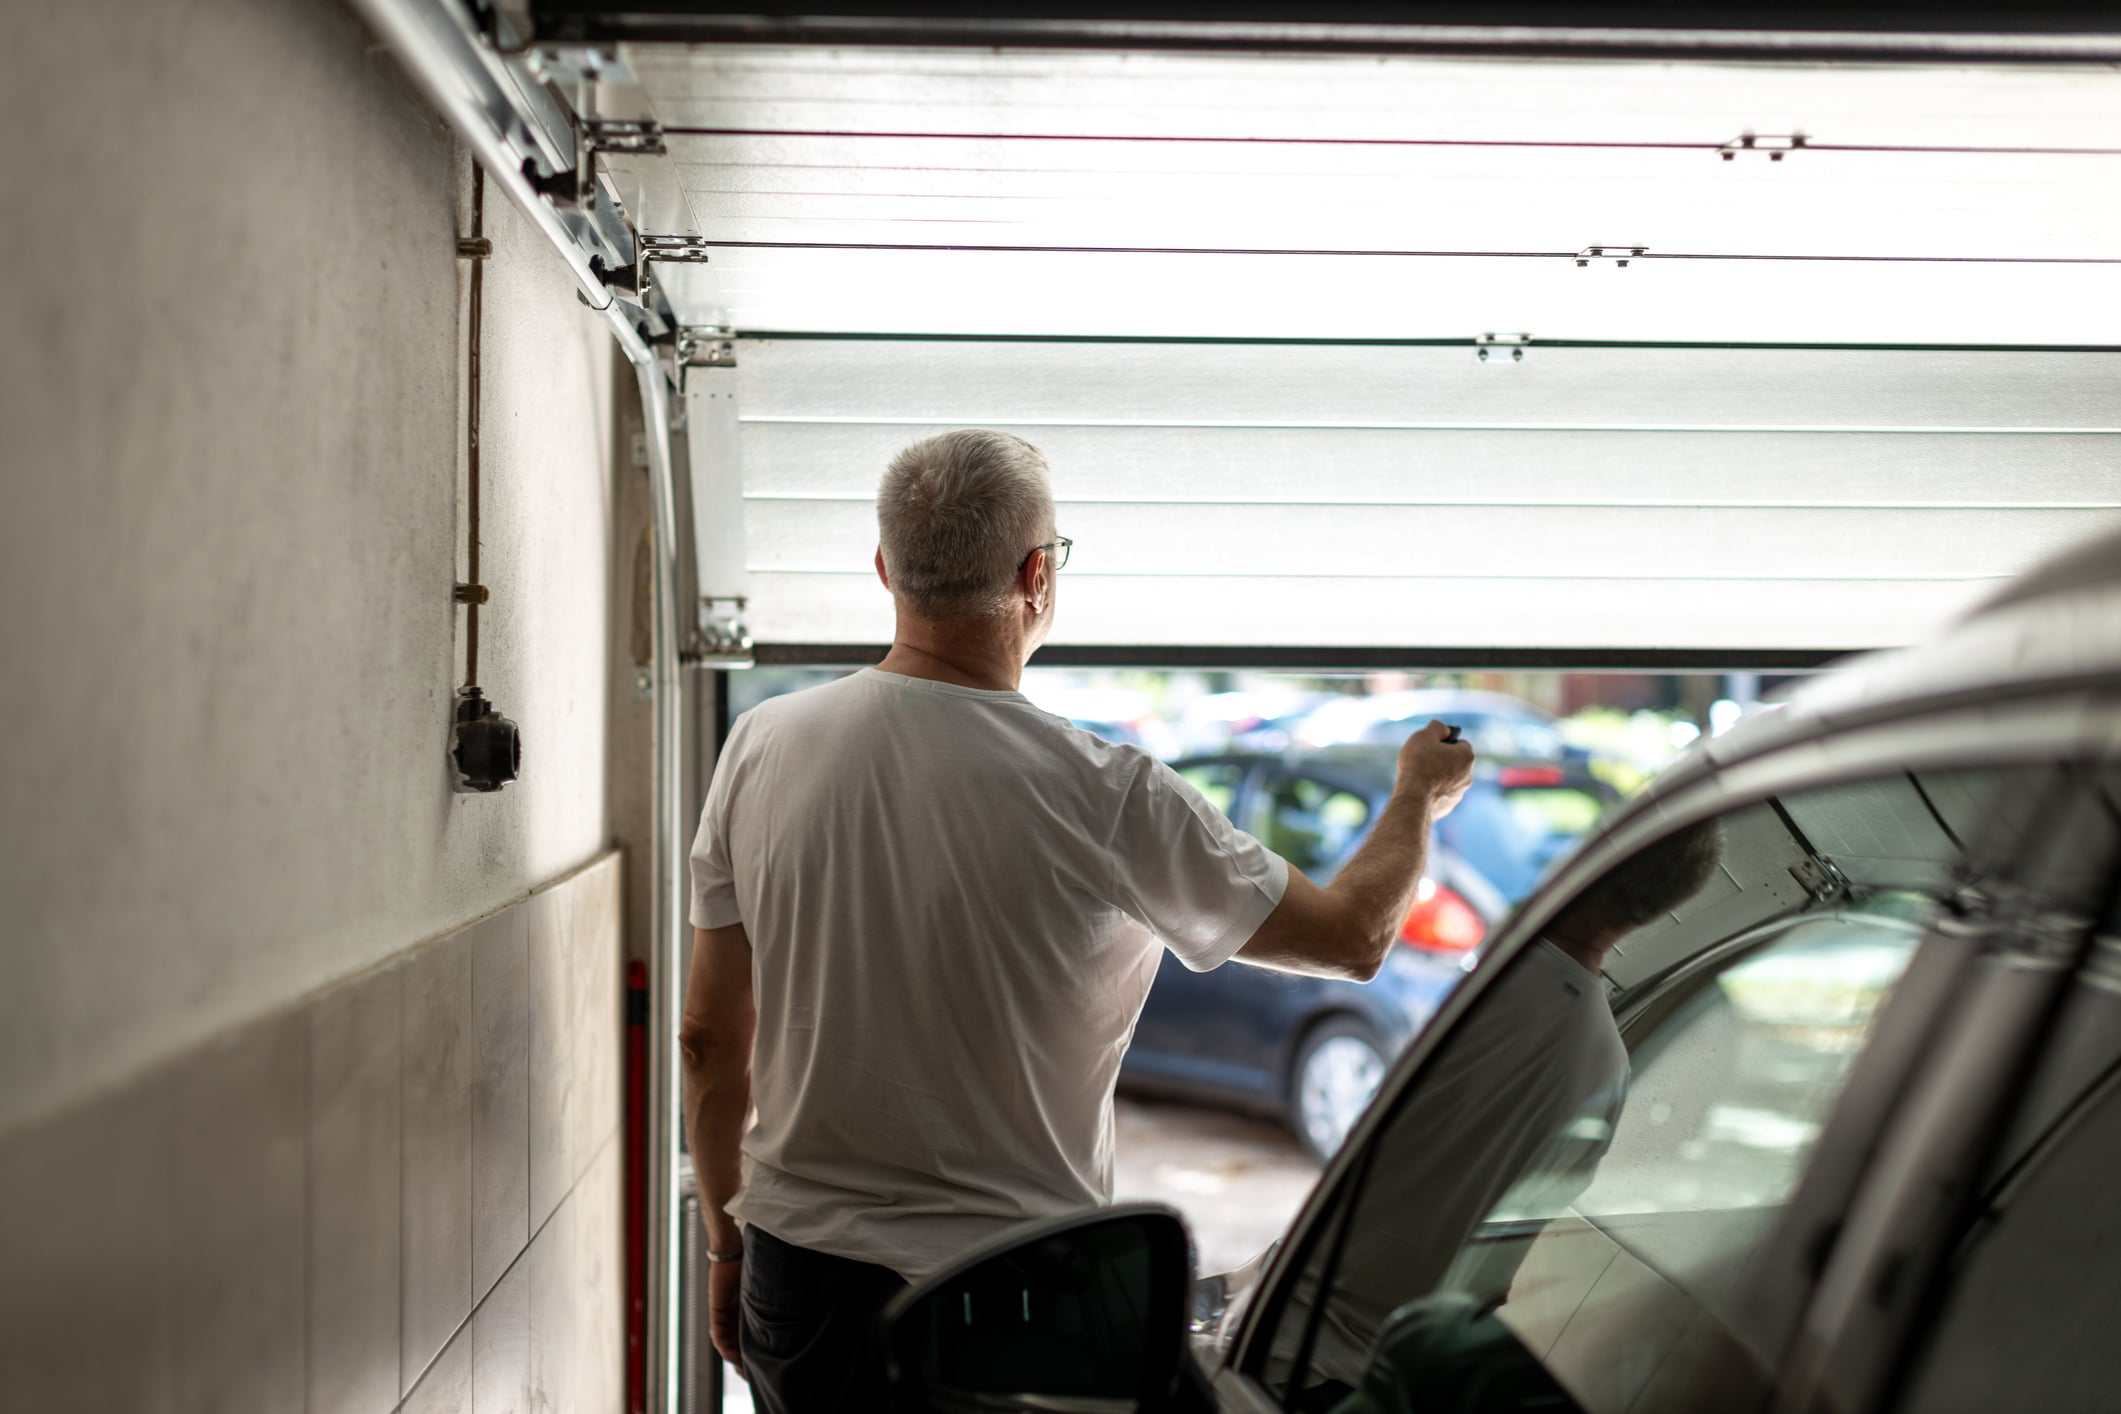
(1347, 929)
(1435, 770)
(725, 1295)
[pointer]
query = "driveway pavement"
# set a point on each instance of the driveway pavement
(1239, 1181)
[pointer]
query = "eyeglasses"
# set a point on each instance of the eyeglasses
(1057, 552)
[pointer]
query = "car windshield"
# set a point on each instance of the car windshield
(1573, 1199)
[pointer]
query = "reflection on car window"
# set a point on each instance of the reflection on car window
(1731, 1088)
(1557, 810)
(1309, 823)
(1575, 1215)
(1514, 833)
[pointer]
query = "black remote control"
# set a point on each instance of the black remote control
(1450, 735)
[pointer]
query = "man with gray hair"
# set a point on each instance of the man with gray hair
(927, 916)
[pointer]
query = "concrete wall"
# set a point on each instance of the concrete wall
(232, 382)
(233, 522)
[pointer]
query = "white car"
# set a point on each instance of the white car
(1860, 1156)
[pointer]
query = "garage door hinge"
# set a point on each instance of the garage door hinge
(1775, 147)
(579, 63)
(1489, 346)
(706, 347)
(722, 639)
(1620, 255)
(640, 136)
(1820, 879)
(691, 248)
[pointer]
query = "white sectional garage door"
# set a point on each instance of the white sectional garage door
(1830, 399)
(1381, 496)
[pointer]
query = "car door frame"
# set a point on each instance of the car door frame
(1998, 728)
(1889, 1267)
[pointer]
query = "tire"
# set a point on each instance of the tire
(1332, 1080)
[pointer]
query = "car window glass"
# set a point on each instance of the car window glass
(2030, 1301)
(1513, 832)
(1553, 810)
(1216, 780)
(1310, 823)
(1551, 1202)
(1729, 1089)
(2035, 1279)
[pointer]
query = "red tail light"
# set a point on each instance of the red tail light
(1529, 776)
(1441, 921)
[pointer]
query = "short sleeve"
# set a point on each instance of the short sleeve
(1202, 885)
(714, 902)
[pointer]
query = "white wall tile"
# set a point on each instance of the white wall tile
(445, 1387)
(85, 1224)
(500, 1334)
(440, 1057)
(552, 1096)
(597, 1010)
(238, 1232)
(500, 1108)
(356, 1052)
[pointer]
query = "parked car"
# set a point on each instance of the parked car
(1309, 1050)
(1496, 723)
(1862, 1158)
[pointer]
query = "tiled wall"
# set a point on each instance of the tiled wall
(403, 1194)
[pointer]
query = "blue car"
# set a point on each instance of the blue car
(1307, 1050)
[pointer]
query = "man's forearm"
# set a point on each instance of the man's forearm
(1347, 929)
(717, 1105)
(1376, 887)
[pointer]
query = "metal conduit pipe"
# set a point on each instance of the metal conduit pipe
(449, 64)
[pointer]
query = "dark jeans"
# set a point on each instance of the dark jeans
(811, 1328)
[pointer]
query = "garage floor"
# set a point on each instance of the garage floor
(1239, 1181)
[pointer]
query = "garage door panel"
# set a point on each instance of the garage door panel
(1103, 295)
(1383, 542)
(844, 461)
(1513, 202)
(1443, 199)
(1247, 494)
(979, 383)
(1326, 96)
(1243, 612)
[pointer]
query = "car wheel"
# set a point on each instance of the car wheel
(1336, 1074)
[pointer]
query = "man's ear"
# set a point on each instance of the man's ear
(881, 572)
(1032, 581)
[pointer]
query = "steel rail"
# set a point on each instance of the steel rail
(2080, 43)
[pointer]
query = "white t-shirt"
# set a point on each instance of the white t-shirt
(941, 887)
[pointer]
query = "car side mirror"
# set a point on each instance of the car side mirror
(1085, 1313)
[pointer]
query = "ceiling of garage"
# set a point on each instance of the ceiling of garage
(1854, 386)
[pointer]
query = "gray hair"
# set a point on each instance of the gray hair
(956, 515)
(1656, 880)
